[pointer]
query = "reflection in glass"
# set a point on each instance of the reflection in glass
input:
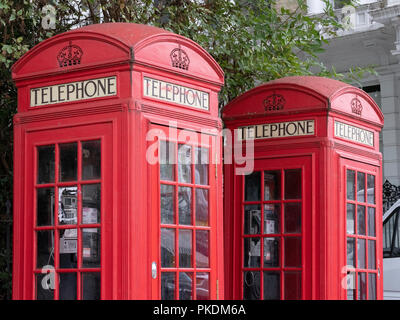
(293, 184)
(167, 160)
(185, 248)
(202, 286)
(201, 166)
(292, 252)
(292, 285)
(350, 223)
(185, 205)
(272, 185)
(168, 284)
(67, 205)
(91, 247)
(371, 286)
(184, 163)
(91, 203)
(252, 219)
(360, 186)
(371, 254)
(362, 286)
(90, 286)
(91, 160)
(371, 222)
(68, 242)
(201, 207)
(272, 213)
(45, 248)
(202, 249)
(43, 286)
(361, 253)
(351, 285)
(185, 286)
(361, 219)
(292, 217)
(45, 206)
(46, 164)
(67, 285)
(167, 248)
(252, 248)
(272, 285)
(371, 188)
(167, 204)
(351, 252)
(351, 186)
(252, 186)
(271, 252)
(251, 285)
(68, 161)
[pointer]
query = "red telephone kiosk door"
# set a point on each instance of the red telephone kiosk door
(184, 222)
(69, 210)
(275, 229)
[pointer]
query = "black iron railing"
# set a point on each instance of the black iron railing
(391, 194)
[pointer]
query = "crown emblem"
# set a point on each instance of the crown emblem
(70, 55)
(274, 102)
(179, 59)
(356, 106)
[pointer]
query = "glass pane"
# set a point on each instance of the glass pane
(68, 161)
(371, 188)
(293, 184)
(168, 285)
(252, 186)
(202, 249)
(68, 239)
(67, 205)
(91, 247)
(202, 286)
(167, 160)
(351, 252)
(185, 205)
(67, 286)
(350, 223)
(272, 285)
(91, 160)
(271, 252)
(252, 219)
(46, 164)
(184, 163)
(201, 207)
(91, 203)
(371, 222)
(45, 207)
(185, 248)
(45, 286)
(90, 286)
(292, 285)
(45, 248)
(361, 219)
(167, 248)
(362, 286)
(251, 250)
(361, 253)
(251, 285)
(292, 217)
(372, 286)
(361, 186)
(167, 204)
(185, 286)
(272, 185)
(292, 252)
(201, 165)
(272, 215)
(351, 285)
(371, 255)
(351, 186)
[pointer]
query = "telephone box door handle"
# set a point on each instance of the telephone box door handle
(154, 270)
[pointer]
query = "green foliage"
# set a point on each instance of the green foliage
(254, 41)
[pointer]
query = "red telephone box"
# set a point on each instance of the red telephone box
(305, 223)
(116, 191)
